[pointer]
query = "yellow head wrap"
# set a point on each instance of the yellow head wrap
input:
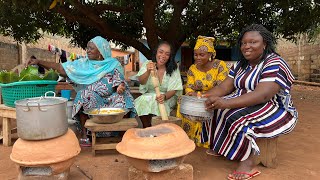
(205, 43)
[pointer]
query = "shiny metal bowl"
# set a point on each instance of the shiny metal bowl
(98, 115)
(193, 108)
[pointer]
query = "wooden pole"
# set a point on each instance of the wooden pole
(162, 107)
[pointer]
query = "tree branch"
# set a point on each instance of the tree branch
(204, 17)
(161, 33)
(90, 18)
(175, 23)
(107, 7)
(149, 11)
(65, 12)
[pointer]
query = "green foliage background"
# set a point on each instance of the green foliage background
(125, 22)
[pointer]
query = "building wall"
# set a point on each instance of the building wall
(8, 55)
(13, 53)
(302, 57)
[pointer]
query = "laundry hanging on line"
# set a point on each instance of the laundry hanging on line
(64, 55)
(70, 56)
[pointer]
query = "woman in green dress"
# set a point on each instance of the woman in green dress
(169, 81)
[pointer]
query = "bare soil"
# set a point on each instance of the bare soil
(298, 152)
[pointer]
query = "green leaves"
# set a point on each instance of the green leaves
(8, 77)
(123, 21)
(51, 75)
(29, 70)
(28, 74)
(30, 77)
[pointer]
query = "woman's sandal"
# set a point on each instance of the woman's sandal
(249, 176)
(212, 153)
(85, 142)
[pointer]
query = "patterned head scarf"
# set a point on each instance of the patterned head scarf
(86, 71)
(205, 44)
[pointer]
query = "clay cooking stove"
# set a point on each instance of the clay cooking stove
(45, 159)
(156, 149)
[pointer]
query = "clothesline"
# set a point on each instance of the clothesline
(70, 56)
(64, 55)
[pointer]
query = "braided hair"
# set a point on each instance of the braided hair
(267, 36)
(171, 65)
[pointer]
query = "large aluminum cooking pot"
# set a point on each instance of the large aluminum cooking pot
(41, 117)
(193, 108)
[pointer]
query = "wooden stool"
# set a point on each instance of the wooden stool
(8, 114)
(155, 120)
(123, 125)
(268, 152)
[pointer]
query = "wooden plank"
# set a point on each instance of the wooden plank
(64, 85)
(268, 152)
(14, 130)
(6, 129)
(123, 125)
(8, 112)
(2, 106)
(107, 140)
(93, 143)
(271, 158)
(105, 146)
(0, 96)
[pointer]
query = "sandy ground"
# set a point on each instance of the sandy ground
(298, 156)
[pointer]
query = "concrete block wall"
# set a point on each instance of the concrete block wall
(8, 55)
(302, 57)
(13, 53)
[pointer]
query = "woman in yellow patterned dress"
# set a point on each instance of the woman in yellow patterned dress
(206, 73)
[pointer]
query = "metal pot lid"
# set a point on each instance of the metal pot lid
(42, 101)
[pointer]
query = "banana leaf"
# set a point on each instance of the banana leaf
(8, 77)
(29, 70)
(30, 77)
(1, 76)
(51, 75)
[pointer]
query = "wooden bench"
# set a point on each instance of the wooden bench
(8, 114)
(123, 125)
(268, 152)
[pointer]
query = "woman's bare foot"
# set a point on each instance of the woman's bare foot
(245, 170)
(212, 153)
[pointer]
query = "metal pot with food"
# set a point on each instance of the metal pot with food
(106, 115)
(41, 117)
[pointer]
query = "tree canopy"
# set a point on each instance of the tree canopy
(126, 22)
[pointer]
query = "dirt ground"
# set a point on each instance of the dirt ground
(298, 156)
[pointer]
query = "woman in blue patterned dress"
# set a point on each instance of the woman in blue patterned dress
(99, 81)
(253, 102)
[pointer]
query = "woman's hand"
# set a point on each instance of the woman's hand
(214, 102)
(205, 95)
(161, 98)
(191, 94)
(121, 88)
(151, 66)
(31, 61)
